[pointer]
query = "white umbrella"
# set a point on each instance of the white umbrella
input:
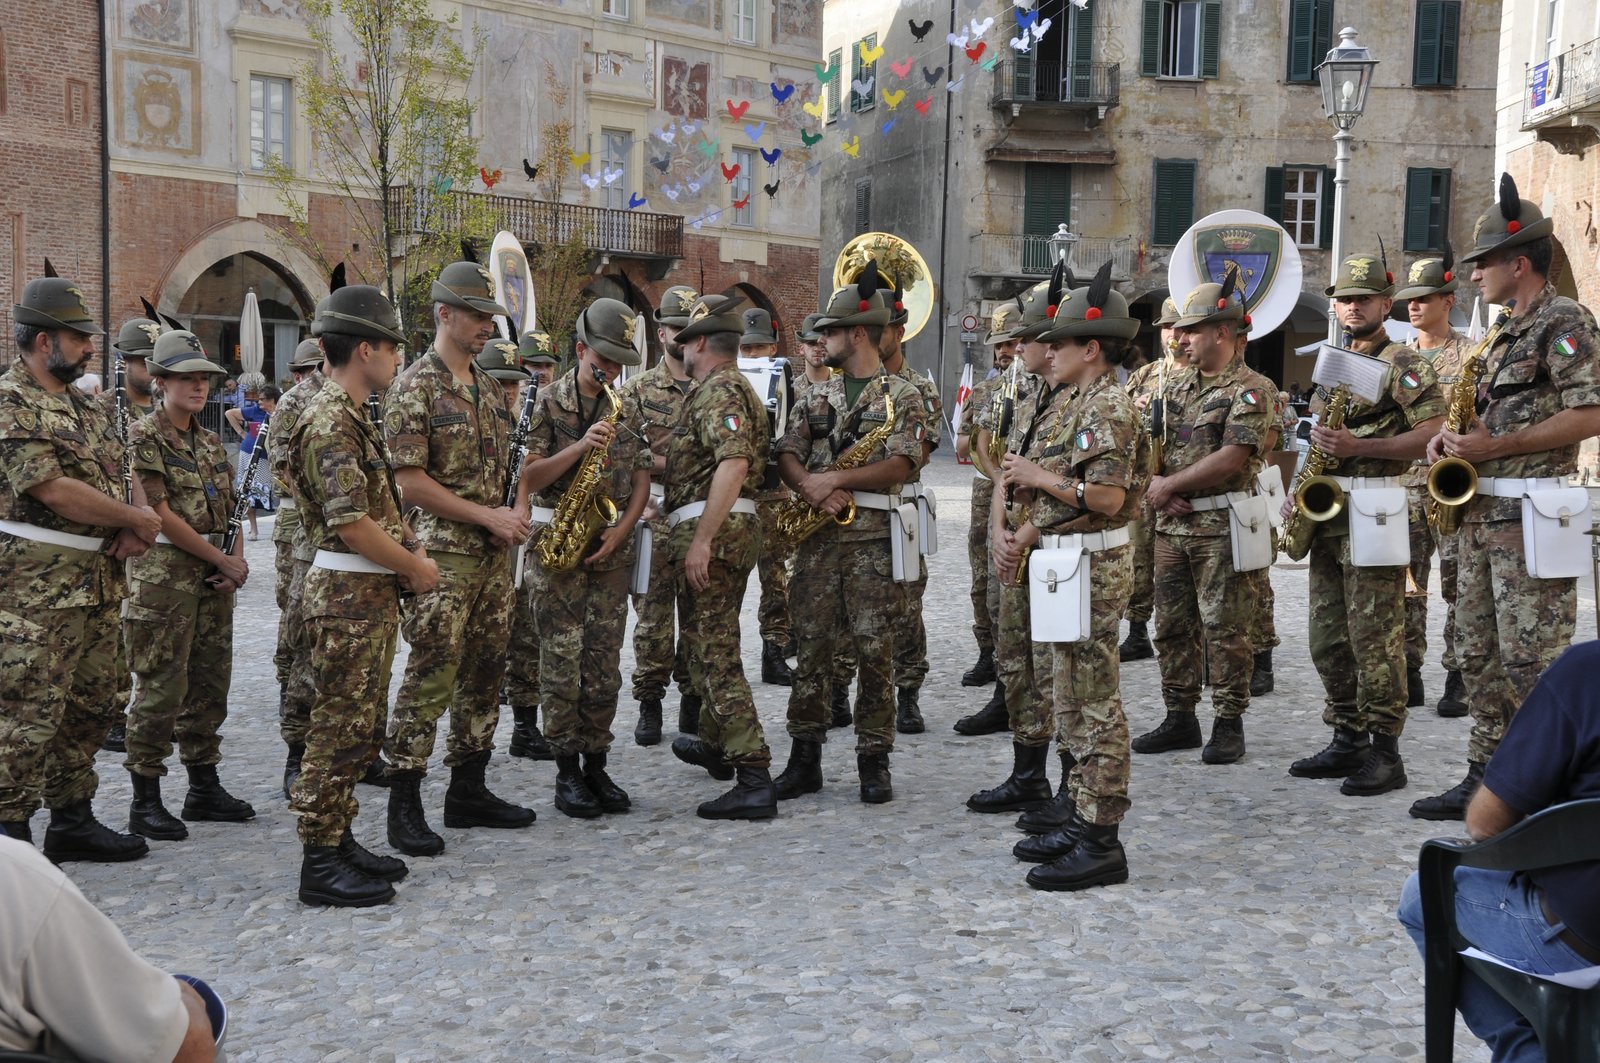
(251, 344)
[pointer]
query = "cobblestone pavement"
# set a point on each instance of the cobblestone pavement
(1258, 923)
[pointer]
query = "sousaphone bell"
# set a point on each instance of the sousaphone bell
(899, 264)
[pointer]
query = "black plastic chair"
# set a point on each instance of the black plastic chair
(1566, 1021)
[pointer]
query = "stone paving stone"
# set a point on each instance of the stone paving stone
(1258, 923)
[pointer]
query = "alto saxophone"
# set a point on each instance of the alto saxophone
(1316, 496)
(797, 520)
(582, 510)
(1453, 482)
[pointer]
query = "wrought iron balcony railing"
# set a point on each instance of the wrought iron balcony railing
(1003, 255)
(1563, 85)
(1021, 82)
(626, 233)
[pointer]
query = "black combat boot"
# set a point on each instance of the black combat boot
(774, 669)
(1097, 860)
(612, 797)
(377, 773)
(573, 795)
(207, 800)
(1415, 694)
(18, 829)
(1026, 788)
(328, 879)
(1452, 804)
(148, 816)
(702, 754)
(291, 766)
(74, 834)
(992, 719)
(116, 739)
(1180, 730)
(1052, 846)
(647, 732)
(754, 796)
(385, 868)
(1058, 812)
(908, 717)
(982, 673)
(876, 787)
(1227, 741)
(841, 708)
(408, 827)
(1383, 771)
(1345, 755)
(1136, 647)
(1261, 675)
(689, 714)
(526, 738)
(470, 803)
(1454, 702)
(803, 773)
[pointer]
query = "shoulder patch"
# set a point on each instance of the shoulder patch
(349, 480)
(731, 422)
(26, 419)
(1084, 439)
(148, 454)
(1409, 380)
(1567, 345)
(1252, 397)
(394, 424)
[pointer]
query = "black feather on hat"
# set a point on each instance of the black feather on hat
(1229, 282)
(469, 249)
(149, 311)
(1061, 281)
(1383, 256)
(867, 283)
(49, 270)
(336, 279)
(1510, 202)
(1099, 292)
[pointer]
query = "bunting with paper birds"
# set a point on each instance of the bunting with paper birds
(489, 179)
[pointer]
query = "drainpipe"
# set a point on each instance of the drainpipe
(940, 313)
(105, 200)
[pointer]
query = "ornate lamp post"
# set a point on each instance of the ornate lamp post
(1061, 244)
(1346, 77)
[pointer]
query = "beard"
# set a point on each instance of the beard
(674, 349)
(59, 367)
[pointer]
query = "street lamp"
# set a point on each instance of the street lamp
(1346, 77)
(1061, 243)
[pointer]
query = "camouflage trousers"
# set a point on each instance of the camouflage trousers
(520, 688)
(282, 578)
(659, 658)
(984, 616)
(582, 617)
(772, 568)
(1357, 638)
(911, 636)
(1263, 618)
(180, 646)
(350, 665)
(1423, 541)
(1203, 614)
(58, 675)
(1509, 627)
(458, 634)
(850, 598)
(1087, 694)
(728, 719)
(1025, 667)
(1142, 537)
(294, 716)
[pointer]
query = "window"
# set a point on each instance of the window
(1046, 203)
(1310, 37)
(744, 21)
(863, 206)
(744, 186)
(1552, 23)
(1433, 53)
(615, 147)
(1427, 209)
(269, 121)
(1173, 211)
(614, 8)
(835, 61)
(1181, 38)
(866, 74)
(1300, 198)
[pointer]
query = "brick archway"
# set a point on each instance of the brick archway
(242, 237)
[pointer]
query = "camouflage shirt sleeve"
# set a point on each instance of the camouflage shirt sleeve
(933, 407)
(1415, 387)
(630, 423)
(910, 424)
(1573, 351)
(1248, 418)
(797, 439)
(723, 424)
(541, 429)
(334, 475)
(147, 462)
(26, 449)
(405, 424)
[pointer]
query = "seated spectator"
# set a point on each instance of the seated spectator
(1544, 922)
(231, 394)
(69, 983)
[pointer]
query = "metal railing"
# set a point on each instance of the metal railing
(1564, 84)
(1002, 255)
(633, 233)
(1019, 81)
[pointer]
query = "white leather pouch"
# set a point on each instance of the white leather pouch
(1059, 595)
(1380, 527)
(904, 537)
(1251, 532)
(928, 521)
(1554, 523)
(644, 542)
(1270, 479)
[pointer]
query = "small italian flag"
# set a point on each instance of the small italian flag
(1567, 345)
(731, 422)
(1085, 439)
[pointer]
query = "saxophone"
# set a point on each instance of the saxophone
(582, 510)
(1452, 482)
(1316, 496)
(797, 520)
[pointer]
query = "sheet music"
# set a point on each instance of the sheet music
(1365, 376)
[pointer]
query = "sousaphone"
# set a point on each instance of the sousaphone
(899, 264)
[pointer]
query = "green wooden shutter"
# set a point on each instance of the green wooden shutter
(1150, 41)
(1211, 39)
(869, 72)
(1419, 190)
(1046, 203)
(1083, 51)
(1174, 200)
(1322, 35)
(1273, 205)
(1425, 48)
(1439, 222)
(1325, 230)
(1449, 40)
(1302, 41)
(835, 61)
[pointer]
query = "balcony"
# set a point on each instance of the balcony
(1561, 100)
(622, 233)
(1028, 257)
(1053, 85)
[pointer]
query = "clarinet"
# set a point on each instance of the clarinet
(518, 445)
(120, 382)
(230, 538)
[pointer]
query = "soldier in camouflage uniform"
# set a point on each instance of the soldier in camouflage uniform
(178, 623)
(1086, 487)
(715, 465)
(446, 424)
(1430, 296)
(760, 340)
(583, 610)
(1218, 414)
(844, 574)
(1144, 386)
(1264, 623)
(1538, 397)
(1357, 622)
(365, 558)
(64, 533)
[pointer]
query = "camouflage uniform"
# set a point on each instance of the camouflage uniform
(521, 684)
(339, 474)
(911, 644)
(1357, 622)
(293, 555)
(1203, 609)
(458, 631)
(1509, 625)
(974, 414)
(1142, 530)
(125, 680)
(178, 630)
(1446, 362)
(722, 420)
(58, 605)
(844, 574)
(583, 612)
(1264, 625)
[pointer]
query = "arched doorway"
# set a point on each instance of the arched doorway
(214, 301)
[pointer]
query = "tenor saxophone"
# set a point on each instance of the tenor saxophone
(1316, 496)
(1453, 482)
(582, 510)
(797, 520)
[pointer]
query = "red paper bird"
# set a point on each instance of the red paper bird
(740, 204)
(738, 109)
(730, 172)
(489, 179)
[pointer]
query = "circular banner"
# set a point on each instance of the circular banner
(1268, 263)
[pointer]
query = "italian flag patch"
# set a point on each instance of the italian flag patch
(1567, 345)
(1085, 439)
(1252, 397)
(1410, 380)
(731, 422)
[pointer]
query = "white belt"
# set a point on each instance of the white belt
(979, 474)
(1364, 483)
(694, 509)
(1516, 487)
(337, 562)
(540, 515)
(87, 543)
(1207, 503)
(285, 502)
(214, 540)
(915, 490)
(875, 500)
(1090, 541)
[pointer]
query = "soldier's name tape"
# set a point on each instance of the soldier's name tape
(87, 543)
(1089, 542)
(1516, 487)
(334, 561)
(694, 509)
(214, 540)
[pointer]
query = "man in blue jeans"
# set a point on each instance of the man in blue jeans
(1546, 921)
